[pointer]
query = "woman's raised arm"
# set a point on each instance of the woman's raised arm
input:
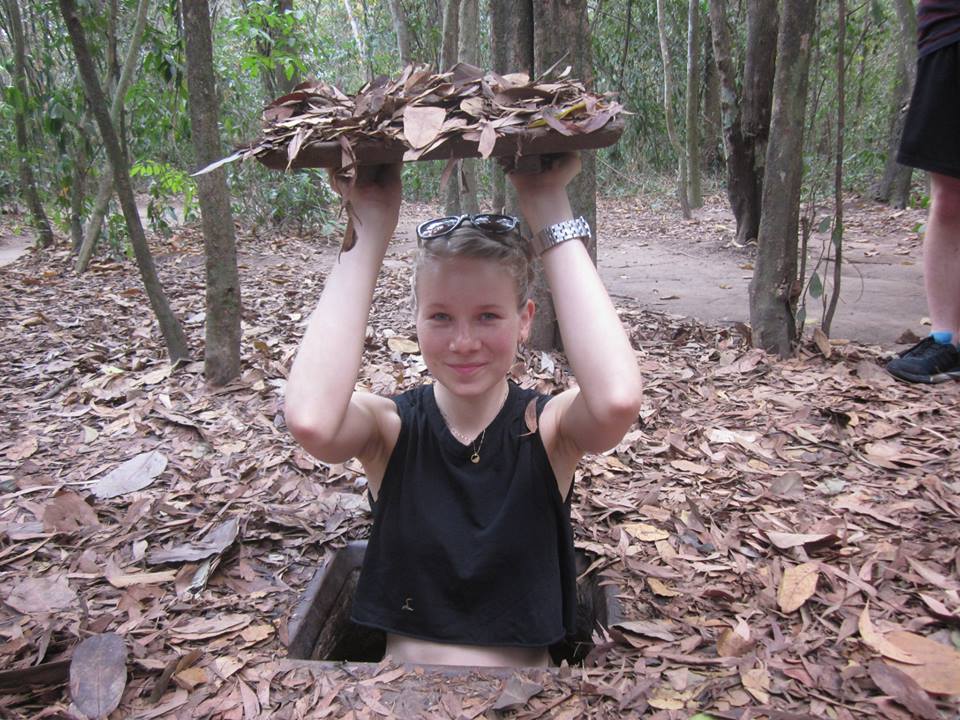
(603, 361)
(321, 409)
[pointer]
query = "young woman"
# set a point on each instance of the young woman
(470, 560)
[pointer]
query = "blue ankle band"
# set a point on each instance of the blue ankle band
(942, 337)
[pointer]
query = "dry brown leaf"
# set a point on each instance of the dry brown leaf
(880, 643)
(757, 683)
(934, 666)
(735, 642)
(422, 124)
(135, 474)
(904, 689)
(645, 532)
(403, 345)
(192, 677)
(42, 595)
(661, 589)
(142, 578)
(98, 674)
(797, 585)
(203, 628)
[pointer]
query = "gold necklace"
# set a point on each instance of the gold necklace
(475, 456)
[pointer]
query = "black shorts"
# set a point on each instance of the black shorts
(931, 133)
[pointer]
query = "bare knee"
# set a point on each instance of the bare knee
(945, 199)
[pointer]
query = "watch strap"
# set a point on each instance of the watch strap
(560, 232)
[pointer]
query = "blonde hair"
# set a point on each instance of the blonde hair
(509, 250)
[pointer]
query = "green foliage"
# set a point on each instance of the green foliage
(167, 188)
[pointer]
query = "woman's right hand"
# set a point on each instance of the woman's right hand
(372, 199)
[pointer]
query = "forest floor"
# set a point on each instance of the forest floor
(782, 533)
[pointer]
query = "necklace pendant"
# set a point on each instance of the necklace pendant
(475, 458)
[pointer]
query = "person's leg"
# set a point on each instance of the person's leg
(941, 255)
(935, 359)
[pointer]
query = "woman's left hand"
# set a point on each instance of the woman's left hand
(542, 196)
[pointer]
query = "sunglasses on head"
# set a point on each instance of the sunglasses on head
(485, 222)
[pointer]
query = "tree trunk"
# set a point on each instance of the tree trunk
(694, 189)
(511, 49)
(561, 28)
(836, 237)
(28, 183)
(402, 31)
(468, 52)
(358, 40)
(105, 186)
(775, 287)
(668, 113)
(746, 117)
(711, 141)
(173, 335)
(894, 185)
(448, 58)
(222, 349)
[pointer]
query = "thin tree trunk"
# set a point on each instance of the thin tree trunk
(775, 287)
(894, 185)
(28, 183)
(448, 58)
(694, 189)
(358, 39)
(511, 50)
(627, 32)
(402, 30)
(468, 52)
(222, 349)
(562, 29)
(173, 334)
(712, 141)
(105, 186)
(836, 237)
(668, 113)
(746, 116)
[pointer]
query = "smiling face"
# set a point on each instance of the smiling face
(468, 322)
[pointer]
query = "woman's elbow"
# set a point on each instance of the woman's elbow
(622, 405)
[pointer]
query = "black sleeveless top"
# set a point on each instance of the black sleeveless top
(475, 554)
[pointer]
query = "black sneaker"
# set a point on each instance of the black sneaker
(927, 362)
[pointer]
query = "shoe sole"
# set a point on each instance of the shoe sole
(926, 379)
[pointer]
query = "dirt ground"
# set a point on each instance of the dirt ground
(650, 256)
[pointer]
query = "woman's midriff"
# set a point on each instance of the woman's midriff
(424, 652)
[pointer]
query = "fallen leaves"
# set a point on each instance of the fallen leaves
(798, 584)
(135, 474)
(878, 642)
(741, 470)
(98, 674)
(41, 595)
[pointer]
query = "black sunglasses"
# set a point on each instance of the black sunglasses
(486, 222)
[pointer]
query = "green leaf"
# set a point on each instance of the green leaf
(824, 225)
(702, 716)
(816, 286)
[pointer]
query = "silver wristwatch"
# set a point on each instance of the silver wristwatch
(577, 229)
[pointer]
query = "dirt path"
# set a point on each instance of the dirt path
(693, 268)
(648, 255)
(13, 245)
